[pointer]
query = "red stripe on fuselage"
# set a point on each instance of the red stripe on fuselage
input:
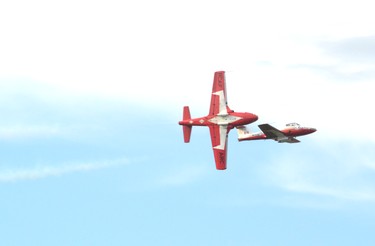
(295, 132)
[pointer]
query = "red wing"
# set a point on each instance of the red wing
(218, 98)
(219, 139)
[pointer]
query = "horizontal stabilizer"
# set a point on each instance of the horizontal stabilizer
(186, 113)
(187, 133)
(186, 129)
(242, 131)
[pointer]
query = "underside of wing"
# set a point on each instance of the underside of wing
(272, 132)
(218, 104)
(219, 139)
(292, 140)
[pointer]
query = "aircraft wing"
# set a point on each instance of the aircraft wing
(219, 139)
(272, 132)
(218, 104)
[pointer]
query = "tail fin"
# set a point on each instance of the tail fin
(242, 131)
(186, 129)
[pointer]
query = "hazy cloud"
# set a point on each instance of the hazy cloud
(44, 171)
(184, 176)
(342, 172)
(343, 60)
(352, 50)
(341, 72)
(29, 131)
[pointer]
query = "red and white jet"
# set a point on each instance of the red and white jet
(286, 135)
(220, 120)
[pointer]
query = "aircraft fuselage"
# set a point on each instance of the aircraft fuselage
(232, 120)
(288, 132)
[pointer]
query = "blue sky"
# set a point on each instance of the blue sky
(90, 97)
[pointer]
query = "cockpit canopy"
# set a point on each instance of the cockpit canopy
(295, 125)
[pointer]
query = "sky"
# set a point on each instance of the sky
(91, 93)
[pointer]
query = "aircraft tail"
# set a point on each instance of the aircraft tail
(186, 129)
(242, 132)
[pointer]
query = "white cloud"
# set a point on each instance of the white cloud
(160, 55)
(122, 48)
(44, 171)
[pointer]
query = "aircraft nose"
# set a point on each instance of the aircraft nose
(313, 130)
(252, 118)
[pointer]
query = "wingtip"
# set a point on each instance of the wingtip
(221, 168)
(221, 71)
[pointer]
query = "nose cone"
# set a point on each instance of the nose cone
(309, 130)
(251, 118)
(255, 117)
